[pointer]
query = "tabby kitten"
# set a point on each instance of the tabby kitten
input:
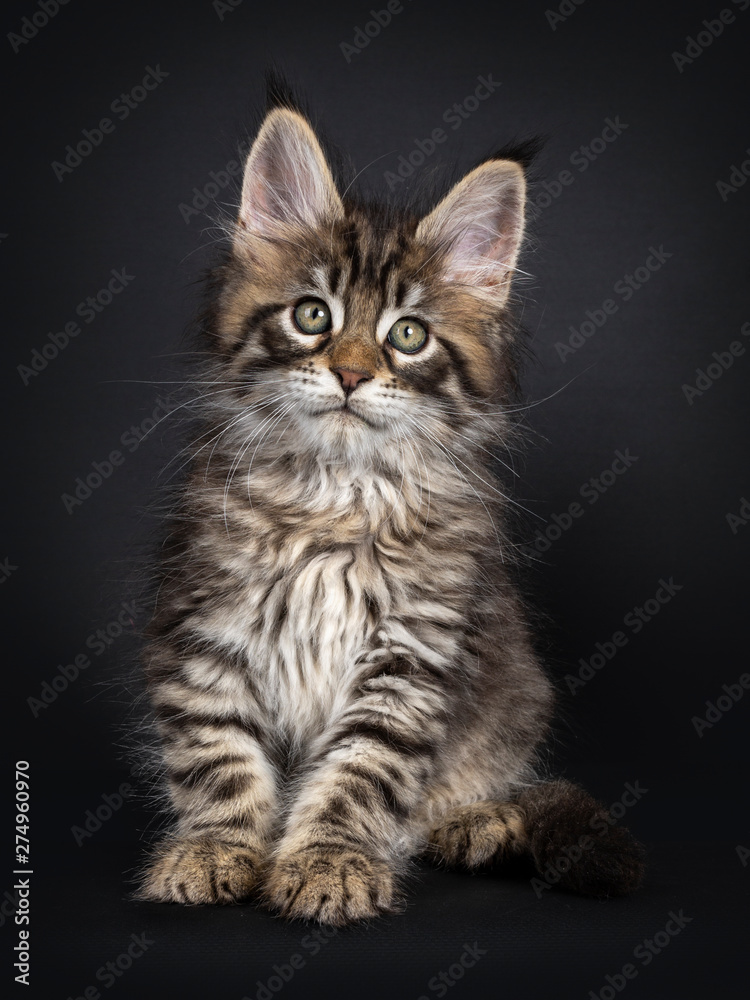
(340, 670)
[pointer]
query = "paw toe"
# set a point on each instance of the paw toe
(334, 886)
(200, 871)
(478, 834)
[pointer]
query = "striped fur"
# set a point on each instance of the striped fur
(339, 667)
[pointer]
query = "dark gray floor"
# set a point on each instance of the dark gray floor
(521, 946)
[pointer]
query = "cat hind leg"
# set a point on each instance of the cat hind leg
(479, 834)
(564, 830)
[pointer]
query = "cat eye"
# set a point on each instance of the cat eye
(407, 335)
(313, 316)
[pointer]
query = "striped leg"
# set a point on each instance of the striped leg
(351, 826)
(224, 790)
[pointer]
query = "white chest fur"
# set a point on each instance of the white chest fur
(318, 594)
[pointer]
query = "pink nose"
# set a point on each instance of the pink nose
(350, 380)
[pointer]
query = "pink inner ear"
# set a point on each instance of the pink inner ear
(272, 193)
(481, 224)
(483, 257)
(287, 180)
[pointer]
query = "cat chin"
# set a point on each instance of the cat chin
(349, 421)
(345, 419)
(341, 434)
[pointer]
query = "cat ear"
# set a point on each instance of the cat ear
(287, 181)
(480, 224)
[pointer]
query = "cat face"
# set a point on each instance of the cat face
(355, 331)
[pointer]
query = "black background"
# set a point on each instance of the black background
(655, 185)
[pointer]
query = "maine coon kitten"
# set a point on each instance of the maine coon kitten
(339, 668)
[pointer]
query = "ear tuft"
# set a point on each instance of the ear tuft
(287, 181)
(479, 225)
(280, 93)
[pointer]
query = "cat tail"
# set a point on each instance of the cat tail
(575, 844)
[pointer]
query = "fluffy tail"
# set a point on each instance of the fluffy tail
(575, 844)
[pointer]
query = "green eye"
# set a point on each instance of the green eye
(313, 316)
(407, 335)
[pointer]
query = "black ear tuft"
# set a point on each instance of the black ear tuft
(280, 93)
(522, 150)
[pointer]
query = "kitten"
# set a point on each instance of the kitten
(340, 670)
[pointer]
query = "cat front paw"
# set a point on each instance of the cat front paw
(200, 870)
(333, 884)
